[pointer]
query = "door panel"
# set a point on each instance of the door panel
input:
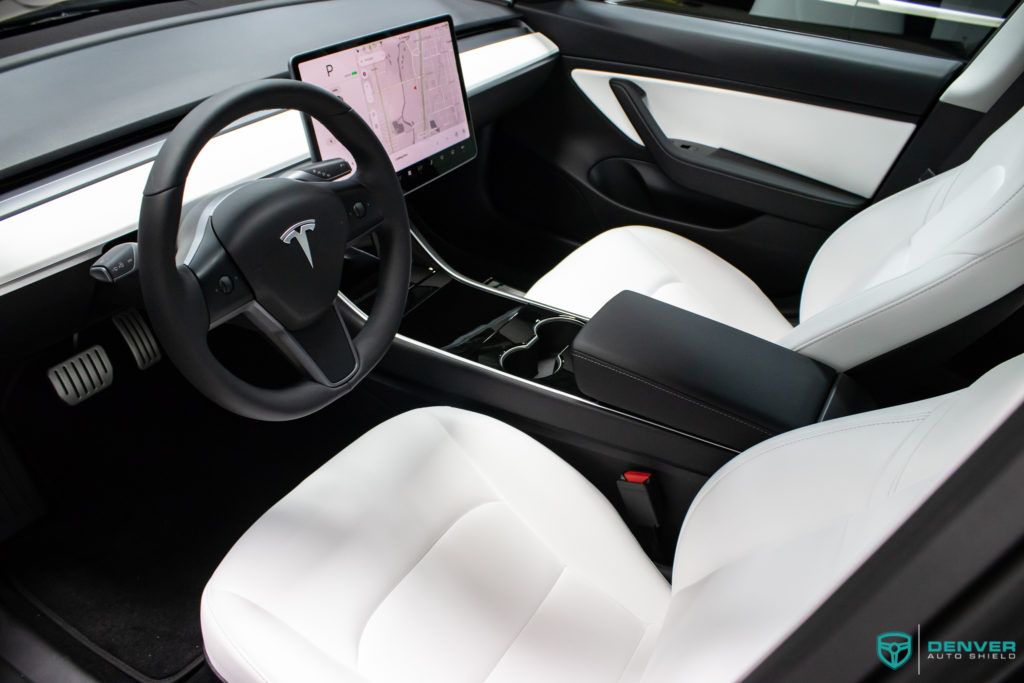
(757, 142)
(847, 150)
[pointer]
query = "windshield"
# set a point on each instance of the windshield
(27, 16)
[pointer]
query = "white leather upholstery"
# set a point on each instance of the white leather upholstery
(901, 269)
(441, 546)
(779, 528)
(664, 266)
(446, 546)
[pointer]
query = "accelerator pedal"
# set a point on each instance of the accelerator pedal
(82, 376)
(140, 339)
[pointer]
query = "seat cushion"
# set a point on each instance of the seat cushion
(665, 266)
(780, 527)
(446, 546)
(441, 546)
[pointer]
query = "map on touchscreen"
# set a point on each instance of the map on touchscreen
(406, 87)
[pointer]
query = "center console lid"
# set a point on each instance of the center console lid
(695, 374)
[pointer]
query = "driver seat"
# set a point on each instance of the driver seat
(445, 546)
(903, 268)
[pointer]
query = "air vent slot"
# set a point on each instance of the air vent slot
(82, 376)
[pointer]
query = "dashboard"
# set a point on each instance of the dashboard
(53, 227)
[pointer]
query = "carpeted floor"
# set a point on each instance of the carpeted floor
(148, 486)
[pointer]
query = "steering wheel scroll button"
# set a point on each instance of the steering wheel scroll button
(223, 286)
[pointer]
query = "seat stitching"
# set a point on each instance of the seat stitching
(910, 456)
(907, 420)
(723, 473)
(413, 566)
(766, 545)
(487, 480)
(680, 278)
(241, 651)
(927, 288)
(943, 193)
(636, 648)
(526, 623)
(657, 257)
(659, 387)
(540, 539)
(231, 641)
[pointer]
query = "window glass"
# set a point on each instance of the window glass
(955, 28)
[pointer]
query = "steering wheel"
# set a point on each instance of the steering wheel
(272, 250)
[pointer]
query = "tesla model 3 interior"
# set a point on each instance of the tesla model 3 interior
(455, 341)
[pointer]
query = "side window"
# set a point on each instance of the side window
(955, 28)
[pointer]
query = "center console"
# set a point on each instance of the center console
(637, 357)
(491, 327)
(640, 388)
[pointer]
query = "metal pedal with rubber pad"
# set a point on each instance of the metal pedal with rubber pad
(140, 339)
(82, 376)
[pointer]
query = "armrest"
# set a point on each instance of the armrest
(695, 374)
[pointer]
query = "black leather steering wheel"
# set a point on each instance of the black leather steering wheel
(272, 250)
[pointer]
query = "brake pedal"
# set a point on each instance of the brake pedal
(82, 376)
(140, 339)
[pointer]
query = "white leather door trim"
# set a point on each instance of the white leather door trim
(847, 150)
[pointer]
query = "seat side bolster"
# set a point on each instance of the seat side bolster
(246, 642)
(906, 308)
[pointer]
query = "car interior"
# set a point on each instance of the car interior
(528, 340)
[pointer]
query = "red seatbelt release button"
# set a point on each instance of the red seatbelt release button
(635, 477)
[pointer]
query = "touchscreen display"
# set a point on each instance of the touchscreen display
(407, 85)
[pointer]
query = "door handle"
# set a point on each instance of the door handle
(733, 177)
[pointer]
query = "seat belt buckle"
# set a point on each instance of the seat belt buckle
(639, 498)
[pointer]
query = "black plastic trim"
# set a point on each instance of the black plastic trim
(801, 64)
(726, 175)
(696, 374)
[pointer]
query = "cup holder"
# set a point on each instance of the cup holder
(544, 355)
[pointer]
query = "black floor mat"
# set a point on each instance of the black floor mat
(148, 488)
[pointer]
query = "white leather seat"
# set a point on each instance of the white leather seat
(907, 266)
(446, 546)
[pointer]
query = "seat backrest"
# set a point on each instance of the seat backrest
(777, 530)
(919, 260)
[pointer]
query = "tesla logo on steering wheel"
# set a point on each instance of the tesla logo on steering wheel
(297, 233)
